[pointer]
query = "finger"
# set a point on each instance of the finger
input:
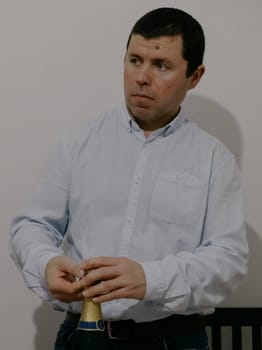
(103, 287)
(72, 268)
(64, 287)
(109, 296)
(94, 277)
(97, 262)
(68, 291)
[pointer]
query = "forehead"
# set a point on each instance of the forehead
(164, 45)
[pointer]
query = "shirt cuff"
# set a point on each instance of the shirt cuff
(155, 284)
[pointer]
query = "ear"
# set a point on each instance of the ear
(196, 76)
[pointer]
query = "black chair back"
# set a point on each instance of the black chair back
(236, 318)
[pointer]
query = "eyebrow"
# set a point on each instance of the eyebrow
(133, 54)
(155, 59)
(163, 59)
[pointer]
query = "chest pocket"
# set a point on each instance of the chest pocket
(177, 198)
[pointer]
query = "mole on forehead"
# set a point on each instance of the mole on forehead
(157, 47)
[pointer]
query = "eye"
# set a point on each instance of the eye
(160, 65)
(134, 61)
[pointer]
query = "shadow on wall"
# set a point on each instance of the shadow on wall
(47, 322)
(217, 121)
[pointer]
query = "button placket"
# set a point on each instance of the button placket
(130, 217)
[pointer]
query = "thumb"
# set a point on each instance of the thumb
(67, 265)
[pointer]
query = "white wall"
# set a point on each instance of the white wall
(61, 63)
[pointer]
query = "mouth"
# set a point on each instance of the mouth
(142, 97)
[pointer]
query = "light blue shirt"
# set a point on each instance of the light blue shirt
(172, 201)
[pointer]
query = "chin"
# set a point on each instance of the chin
(142, 117)
(140, 111)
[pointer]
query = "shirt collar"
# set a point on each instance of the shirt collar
(168, 129)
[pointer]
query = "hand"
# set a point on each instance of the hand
(62, 276)
(113, 278)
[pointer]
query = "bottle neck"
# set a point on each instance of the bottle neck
(91, 311)
(91, 317)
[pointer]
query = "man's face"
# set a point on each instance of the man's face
(155, 81)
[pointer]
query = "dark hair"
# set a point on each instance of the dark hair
(167, 21)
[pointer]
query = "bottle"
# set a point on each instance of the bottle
(91, 333)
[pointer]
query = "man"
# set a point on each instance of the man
(146, 203)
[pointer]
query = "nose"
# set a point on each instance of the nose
(143, 77)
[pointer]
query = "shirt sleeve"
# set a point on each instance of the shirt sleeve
(202, 279)
(37, 233)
